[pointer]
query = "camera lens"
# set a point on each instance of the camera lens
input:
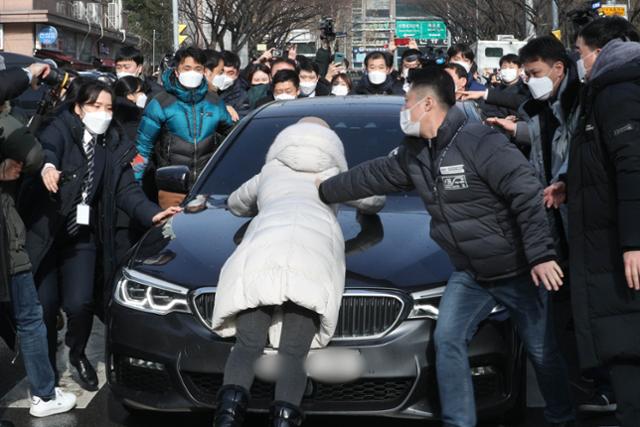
(56, 77)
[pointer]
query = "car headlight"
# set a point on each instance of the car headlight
(149, 294)
(426, 304)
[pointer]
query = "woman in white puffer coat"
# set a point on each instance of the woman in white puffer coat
(285, 280)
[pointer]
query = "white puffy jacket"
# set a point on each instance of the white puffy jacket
(293, 250)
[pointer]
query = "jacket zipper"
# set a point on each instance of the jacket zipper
(434, 175)
(195, 140)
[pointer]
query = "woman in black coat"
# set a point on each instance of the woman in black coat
(70, 215)
(130, 103)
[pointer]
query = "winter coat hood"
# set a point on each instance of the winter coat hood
(308, 147)
(619, 61)
(173, 86)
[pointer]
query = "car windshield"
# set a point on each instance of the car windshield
(364, 138)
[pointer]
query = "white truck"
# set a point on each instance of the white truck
(489, 52)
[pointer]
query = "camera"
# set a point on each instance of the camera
(327, 30)
(57, 78)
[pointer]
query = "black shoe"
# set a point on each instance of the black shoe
(599, 402)
(283, 414)
(88, 376)
(231, 406)
(6, 423)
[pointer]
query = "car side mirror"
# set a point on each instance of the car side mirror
(174, 179)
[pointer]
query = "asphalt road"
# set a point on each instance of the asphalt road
(100, 409)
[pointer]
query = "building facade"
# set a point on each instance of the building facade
(84, 33)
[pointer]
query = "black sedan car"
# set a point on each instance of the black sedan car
(162, 354)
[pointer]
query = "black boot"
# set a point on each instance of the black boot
(231, 406)
(283, 414)
(88, 376)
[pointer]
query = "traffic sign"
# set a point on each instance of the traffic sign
(614, 10)
(434, 30)
(182, 37)
(48, 35)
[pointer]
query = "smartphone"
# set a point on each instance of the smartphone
(402, 42)
(277, 53)
(338, 58)
(261, 47)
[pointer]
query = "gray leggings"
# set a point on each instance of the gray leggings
(252, 326)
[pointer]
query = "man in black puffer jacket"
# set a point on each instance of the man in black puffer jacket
(486, 212)
(604, 210)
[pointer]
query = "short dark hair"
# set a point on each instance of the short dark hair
(436, 80)
(128, 86)
(411, 52)
(458, 69)
(511, 58)
(388, 59)
(89, 92)
(309, 66)
(462, 49)
(546, 48)
(213, 58)
(231, 59)
(129, 53)
(603, 30)
(283, 76)
(277, 61)
(190, 52)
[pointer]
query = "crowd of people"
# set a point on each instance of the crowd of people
(547, 161)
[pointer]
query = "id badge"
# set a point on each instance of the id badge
(83, 214)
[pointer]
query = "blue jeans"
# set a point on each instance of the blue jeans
(464, 305)
(32, 335)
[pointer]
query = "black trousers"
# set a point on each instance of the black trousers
(66, 279)
(625, 378)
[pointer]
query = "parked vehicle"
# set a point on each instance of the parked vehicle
(162, 354)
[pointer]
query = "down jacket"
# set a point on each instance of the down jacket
(294, 248)
(178, 127)
(483, 196)
(604, 209)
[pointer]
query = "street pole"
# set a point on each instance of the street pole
(554, 15)
(153, 53)
(174, 6)
(530, 30)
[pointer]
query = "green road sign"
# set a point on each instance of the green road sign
(434, 30)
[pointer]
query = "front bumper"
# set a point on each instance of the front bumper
(185, 364)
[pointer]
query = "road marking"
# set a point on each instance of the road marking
(19, 396)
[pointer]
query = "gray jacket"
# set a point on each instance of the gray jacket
(19, 144)
(483, 196)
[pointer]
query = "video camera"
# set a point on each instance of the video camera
(582, 16)
(327, 29)
(58, 80)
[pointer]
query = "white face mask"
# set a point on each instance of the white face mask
(190, 79)
(464, 64)
(582, 70)
(141, 102)
(508, 75)
(377, 77)
(125, 74)
(307, 88)
(405, 73)
(340, 90)
(223, 82)
(409, 127)
(541, 87)
(284, 97)
(97, 122)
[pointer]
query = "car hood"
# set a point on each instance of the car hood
(389, 250)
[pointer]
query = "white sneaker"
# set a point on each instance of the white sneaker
(63, 402)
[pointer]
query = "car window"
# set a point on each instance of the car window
(364, 138)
